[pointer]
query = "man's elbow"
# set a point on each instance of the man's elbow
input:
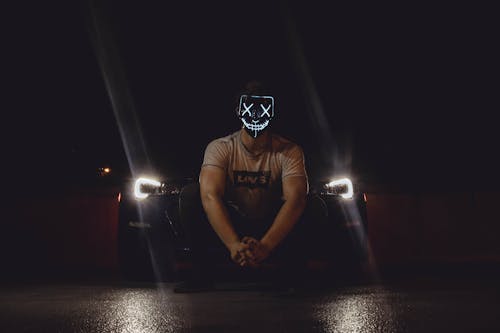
(208, 198)
(298, 202)
(302, 201)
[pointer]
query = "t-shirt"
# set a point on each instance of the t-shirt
(254, 181)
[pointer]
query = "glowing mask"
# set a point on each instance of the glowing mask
(256, 112)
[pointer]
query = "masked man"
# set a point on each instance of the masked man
(253, 187)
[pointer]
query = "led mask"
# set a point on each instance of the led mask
(256, 112)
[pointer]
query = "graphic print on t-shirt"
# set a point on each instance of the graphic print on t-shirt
(252, 179)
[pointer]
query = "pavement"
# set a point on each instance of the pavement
(417, 304)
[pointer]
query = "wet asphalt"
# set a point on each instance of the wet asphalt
(418, 305)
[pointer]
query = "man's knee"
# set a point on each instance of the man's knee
(316, 209)
(190, 193)
(190, 208)
(313, 217)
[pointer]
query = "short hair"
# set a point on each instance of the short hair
(252, 87)
(255, 87)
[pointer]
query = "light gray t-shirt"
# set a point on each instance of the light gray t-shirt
(254, 182)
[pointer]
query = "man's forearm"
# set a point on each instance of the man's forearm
(219, 219)
(283, 223)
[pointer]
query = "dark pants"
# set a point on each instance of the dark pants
(208, 252)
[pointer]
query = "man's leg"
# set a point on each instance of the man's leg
(203, 242)
(292, 254)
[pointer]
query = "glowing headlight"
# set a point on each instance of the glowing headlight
(143, 187)
(342, 187)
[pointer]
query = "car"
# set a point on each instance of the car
(153, 244)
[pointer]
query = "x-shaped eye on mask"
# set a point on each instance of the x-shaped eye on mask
(247, 109)
(266, 110)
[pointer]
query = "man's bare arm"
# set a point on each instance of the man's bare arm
(294, 192)
(212, 185)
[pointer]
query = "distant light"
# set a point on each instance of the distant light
(104, 171)
(144, 181)
(345, 182)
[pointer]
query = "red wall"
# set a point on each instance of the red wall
(70, 231)
(451, 227)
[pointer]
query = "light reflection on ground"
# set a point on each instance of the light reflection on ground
(420, 307)
(139, 311)
(357, 313)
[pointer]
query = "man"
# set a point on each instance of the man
(253, 187)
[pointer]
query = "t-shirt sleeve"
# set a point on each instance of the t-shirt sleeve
(293, 163)
(216, 154)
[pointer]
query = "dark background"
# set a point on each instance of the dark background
(409, 93)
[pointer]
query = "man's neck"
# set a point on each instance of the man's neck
(255, 145)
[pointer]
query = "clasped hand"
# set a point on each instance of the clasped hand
(249, 252)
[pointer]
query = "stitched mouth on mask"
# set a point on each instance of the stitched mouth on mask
(255, 127)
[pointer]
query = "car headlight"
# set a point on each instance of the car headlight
(342, 187)
(144, 187)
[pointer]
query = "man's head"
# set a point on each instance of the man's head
(255, 108)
